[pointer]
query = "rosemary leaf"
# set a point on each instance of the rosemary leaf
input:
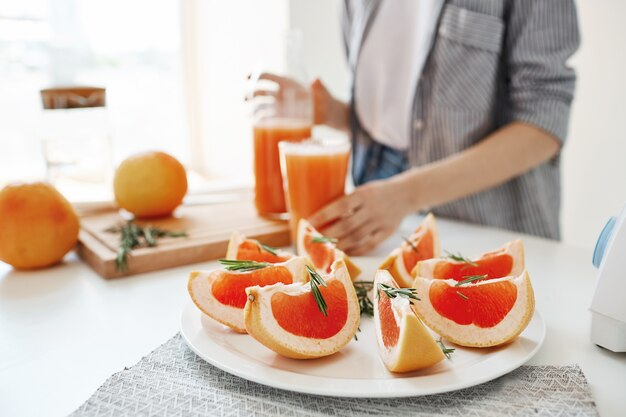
(460, 258)
(391, 292)
(148, 234)
(168, 233)
(242, 266)
(470, 278)
(355, 336)
(463, 296)
(323, 239)
(411, 244)
(269, 249)
(446, 351)
(129, 239)
(316, 281)
(133, 236)
(362, 288)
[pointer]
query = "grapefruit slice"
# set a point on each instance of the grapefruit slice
(321, 252)
(288, 319)
(221, 294)
(503, 262)
(480, 314)
(241, 248)
(404, 344)
(422, 244)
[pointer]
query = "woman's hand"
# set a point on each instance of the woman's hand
(364, 218)
(327, 110)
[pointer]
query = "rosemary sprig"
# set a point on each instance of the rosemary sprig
(269, 249)
(323, 239)
(470, 278)
(446, 350)
(133, 236)
(355, 336)
(317, 280)
(242, 266)
(391, 292)
(365, 303)
(411, 244)
(463, 296)
(460, 258)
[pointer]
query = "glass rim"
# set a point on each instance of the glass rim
(315, 146)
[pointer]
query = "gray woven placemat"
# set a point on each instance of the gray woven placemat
(173, 381)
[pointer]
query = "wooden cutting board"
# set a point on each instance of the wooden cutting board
(208, 228)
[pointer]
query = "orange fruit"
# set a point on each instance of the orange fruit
(321, 255)
(221, 294)
(288, 320)
(150, 184)
(424, 244)
(480, 314)
(38, 226)
(241, 248)
(404, 344)
(503, 262)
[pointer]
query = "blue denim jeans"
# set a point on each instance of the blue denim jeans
(377, 162)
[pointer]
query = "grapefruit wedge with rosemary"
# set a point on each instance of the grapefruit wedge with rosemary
(241, 248)
(503, 262)
(476, 312)
(320, 251)
(404, 344)
(221, 294)
(422, 244)
(305, 321)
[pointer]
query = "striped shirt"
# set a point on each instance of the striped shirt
(491, 62)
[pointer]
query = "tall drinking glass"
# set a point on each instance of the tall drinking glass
(282, 112)
(314, 174)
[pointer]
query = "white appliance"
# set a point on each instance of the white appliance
(608, 307)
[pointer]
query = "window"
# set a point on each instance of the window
(174, 72)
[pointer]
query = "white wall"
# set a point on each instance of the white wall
(324, 54)
(594, 159)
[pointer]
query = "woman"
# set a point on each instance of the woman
(460, 107)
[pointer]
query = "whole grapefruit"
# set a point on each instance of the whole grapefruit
(150, 184)
(38, 226)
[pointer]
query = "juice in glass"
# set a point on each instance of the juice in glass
(314, 175)
(269, 197)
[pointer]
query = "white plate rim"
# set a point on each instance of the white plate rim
(507, 361)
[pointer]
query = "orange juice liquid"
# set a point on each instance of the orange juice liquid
(312, 181)
(269, 197)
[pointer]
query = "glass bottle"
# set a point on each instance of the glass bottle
(76, 141)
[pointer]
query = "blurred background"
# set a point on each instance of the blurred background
(175, 74)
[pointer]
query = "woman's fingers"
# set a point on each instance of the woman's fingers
(278, 79)
(346, 225)
(343, 207)
(265, 93)
(367, 243)
(357, 236)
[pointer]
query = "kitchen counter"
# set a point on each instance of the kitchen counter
(64, 330)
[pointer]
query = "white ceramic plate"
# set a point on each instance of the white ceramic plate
(355, 371)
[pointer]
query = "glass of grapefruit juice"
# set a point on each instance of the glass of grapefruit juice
(269, 197)
(314, 174)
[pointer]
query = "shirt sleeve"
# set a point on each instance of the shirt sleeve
(541, 36)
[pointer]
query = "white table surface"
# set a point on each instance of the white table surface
(64, 330)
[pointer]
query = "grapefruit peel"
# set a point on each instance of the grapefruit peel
(200, 287)
(507, 328)
(410, 346)
(262, 324)
(395, 262)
